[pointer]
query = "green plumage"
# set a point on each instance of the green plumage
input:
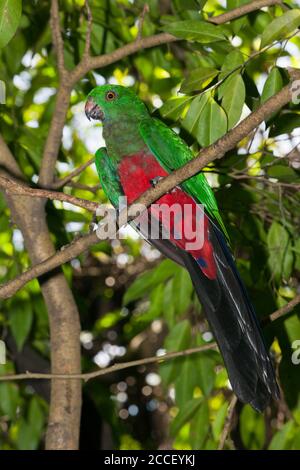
(172, 153)
(136, 131)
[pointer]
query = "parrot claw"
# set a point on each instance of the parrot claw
(155, 180)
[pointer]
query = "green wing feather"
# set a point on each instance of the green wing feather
(172, 153)
(108, 175)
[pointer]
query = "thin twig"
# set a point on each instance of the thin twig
(108, 370)
(141, 20)
(87, 46)
(242, 10)
(56, 36)
(287, 308)
(83, 187)
(228, 422)
(262, 178)
(148, 360)
(13, 187)
(59, 183)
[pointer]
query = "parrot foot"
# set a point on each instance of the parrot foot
(156, 180)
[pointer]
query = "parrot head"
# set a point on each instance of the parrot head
(114, 102)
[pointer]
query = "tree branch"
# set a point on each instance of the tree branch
(114, 368)
(287, 308)
(150, 360)
(84, 187)
(59, 183)
(56, 36)
(54, 137)
(242, 10)
(88, 31)
(206, 156)
(65, 254)
(17, 188)
(219, 148)
(228, 422)
(8, 162)
(141, 21)
(162, 38)
(90, 63)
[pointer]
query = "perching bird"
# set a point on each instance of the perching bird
(139, 151)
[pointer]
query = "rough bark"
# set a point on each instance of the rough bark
(64, 419)
(30, 216)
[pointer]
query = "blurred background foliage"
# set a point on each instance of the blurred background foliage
(133, 303)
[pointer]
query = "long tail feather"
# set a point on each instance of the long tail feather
(235, 327)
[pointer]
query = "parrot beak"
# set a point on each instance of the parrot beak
(93, 111)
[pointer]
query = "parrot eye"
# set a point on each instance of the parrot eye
(110, 95)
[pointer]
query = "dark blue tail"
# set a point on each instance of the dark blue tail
(234, 324)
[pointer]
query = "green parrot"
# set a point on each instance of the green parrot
(139, 151)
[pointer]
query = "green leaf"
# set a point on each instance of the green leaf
(282, 173)
(219, 421)
(297, 252)
(168, 307)
(252, 428)
(199, 31)
(212, 123)
(231, 4)
(184, 415)
(198, 79)
(174, 107)
(199, 426)
(287, 332)
(186, 381)
(36, 417)
(204, 369)
(32, 142)
(283, 438)
(281, 27)
(233, 98)
(233, 61)
(155, 309)
(285, 124)
(177, 340)
(204, 364)
(272, 85)
(280, 252)
(148, 280)
(20, 322)
(182, 291)
(191, 120)
(261, 20)
(26, 438)
(239, 22)
(9, 399)
(295, 445)
(10, 15)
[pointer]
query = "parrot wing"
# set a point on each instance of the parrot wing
(172, 153)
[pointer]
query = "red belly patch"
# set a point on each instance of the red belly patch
(136, 173)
